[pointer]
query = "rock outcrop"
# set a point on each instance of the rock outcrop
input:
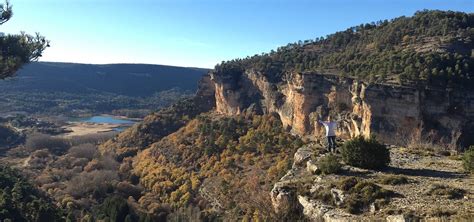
(287, 198)
(304, 192)
(392, 113)
(316, 211)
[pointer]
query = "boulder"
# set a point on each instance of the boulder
(338, 196)
(315, 210)
(397, 218)
(311, 167)
(284, 199)
(302, 154)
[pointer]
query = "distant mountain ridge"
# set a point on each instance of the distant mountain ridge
(77, 89)
(122, 79)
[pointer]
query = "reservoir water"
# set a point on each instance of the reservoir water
(123, 123)
(106, 119)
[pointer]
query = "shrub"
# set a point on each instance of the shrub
(360, 194)
(365, 153)
(42, 141)
(108, 163)
(394, 180)
(103, 163)
(92, 138)
(329, 164)
(128, 189)
(115, 208)
(185, 214)
(449, 192)
(40, 154)
(468, 159)
(440, 212)
(87, 151)
(347, 183)
(97, 183)
(8, 136)
(324, 194)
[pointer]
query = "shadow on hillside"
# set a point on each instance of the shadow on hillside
(425, 173)
(351, 173)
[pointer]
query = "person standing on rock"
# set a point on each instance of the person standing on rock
(330, 133)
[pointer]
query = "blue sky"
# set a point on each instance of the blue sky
(197, 33)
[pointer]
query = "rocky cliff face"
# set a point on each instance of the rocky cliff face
(392, 113)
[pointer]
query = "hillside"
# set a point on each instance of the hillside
(354, 76)
(430, 48)
(65, 87)
(390, 79)
(119, 79)
(162, 123)
(215, 163)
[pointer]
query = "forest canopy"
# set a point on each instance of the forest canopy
(430, 48)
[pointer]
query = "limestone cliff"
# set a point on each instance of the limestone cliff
(390, 112)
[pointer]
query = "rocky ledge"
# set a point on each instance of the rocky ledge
(416, 185)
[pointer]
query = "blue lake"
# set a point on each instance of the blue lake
(106, 119)
(124, 123)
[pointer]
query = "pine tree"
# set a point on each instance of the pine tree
(17, 50)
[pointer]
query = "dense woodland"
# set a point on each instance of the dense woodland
(21, 201)
(74, 104)
(430, 48)
(233, 161)
(137, 80)
(222, 157)
(156, 126)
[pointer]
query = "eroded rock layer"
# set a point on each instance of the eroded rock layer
(394, 114)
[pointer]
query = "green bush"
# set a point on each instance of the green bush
(329, 164)
(447, 191)
(365, 153)
(360, 194)
(394, 180)
(21, 201)
(468, 159)
(323, 194)
(115, 208)
(347, 183)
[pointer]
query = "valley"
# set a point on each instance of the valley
(75, 90)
